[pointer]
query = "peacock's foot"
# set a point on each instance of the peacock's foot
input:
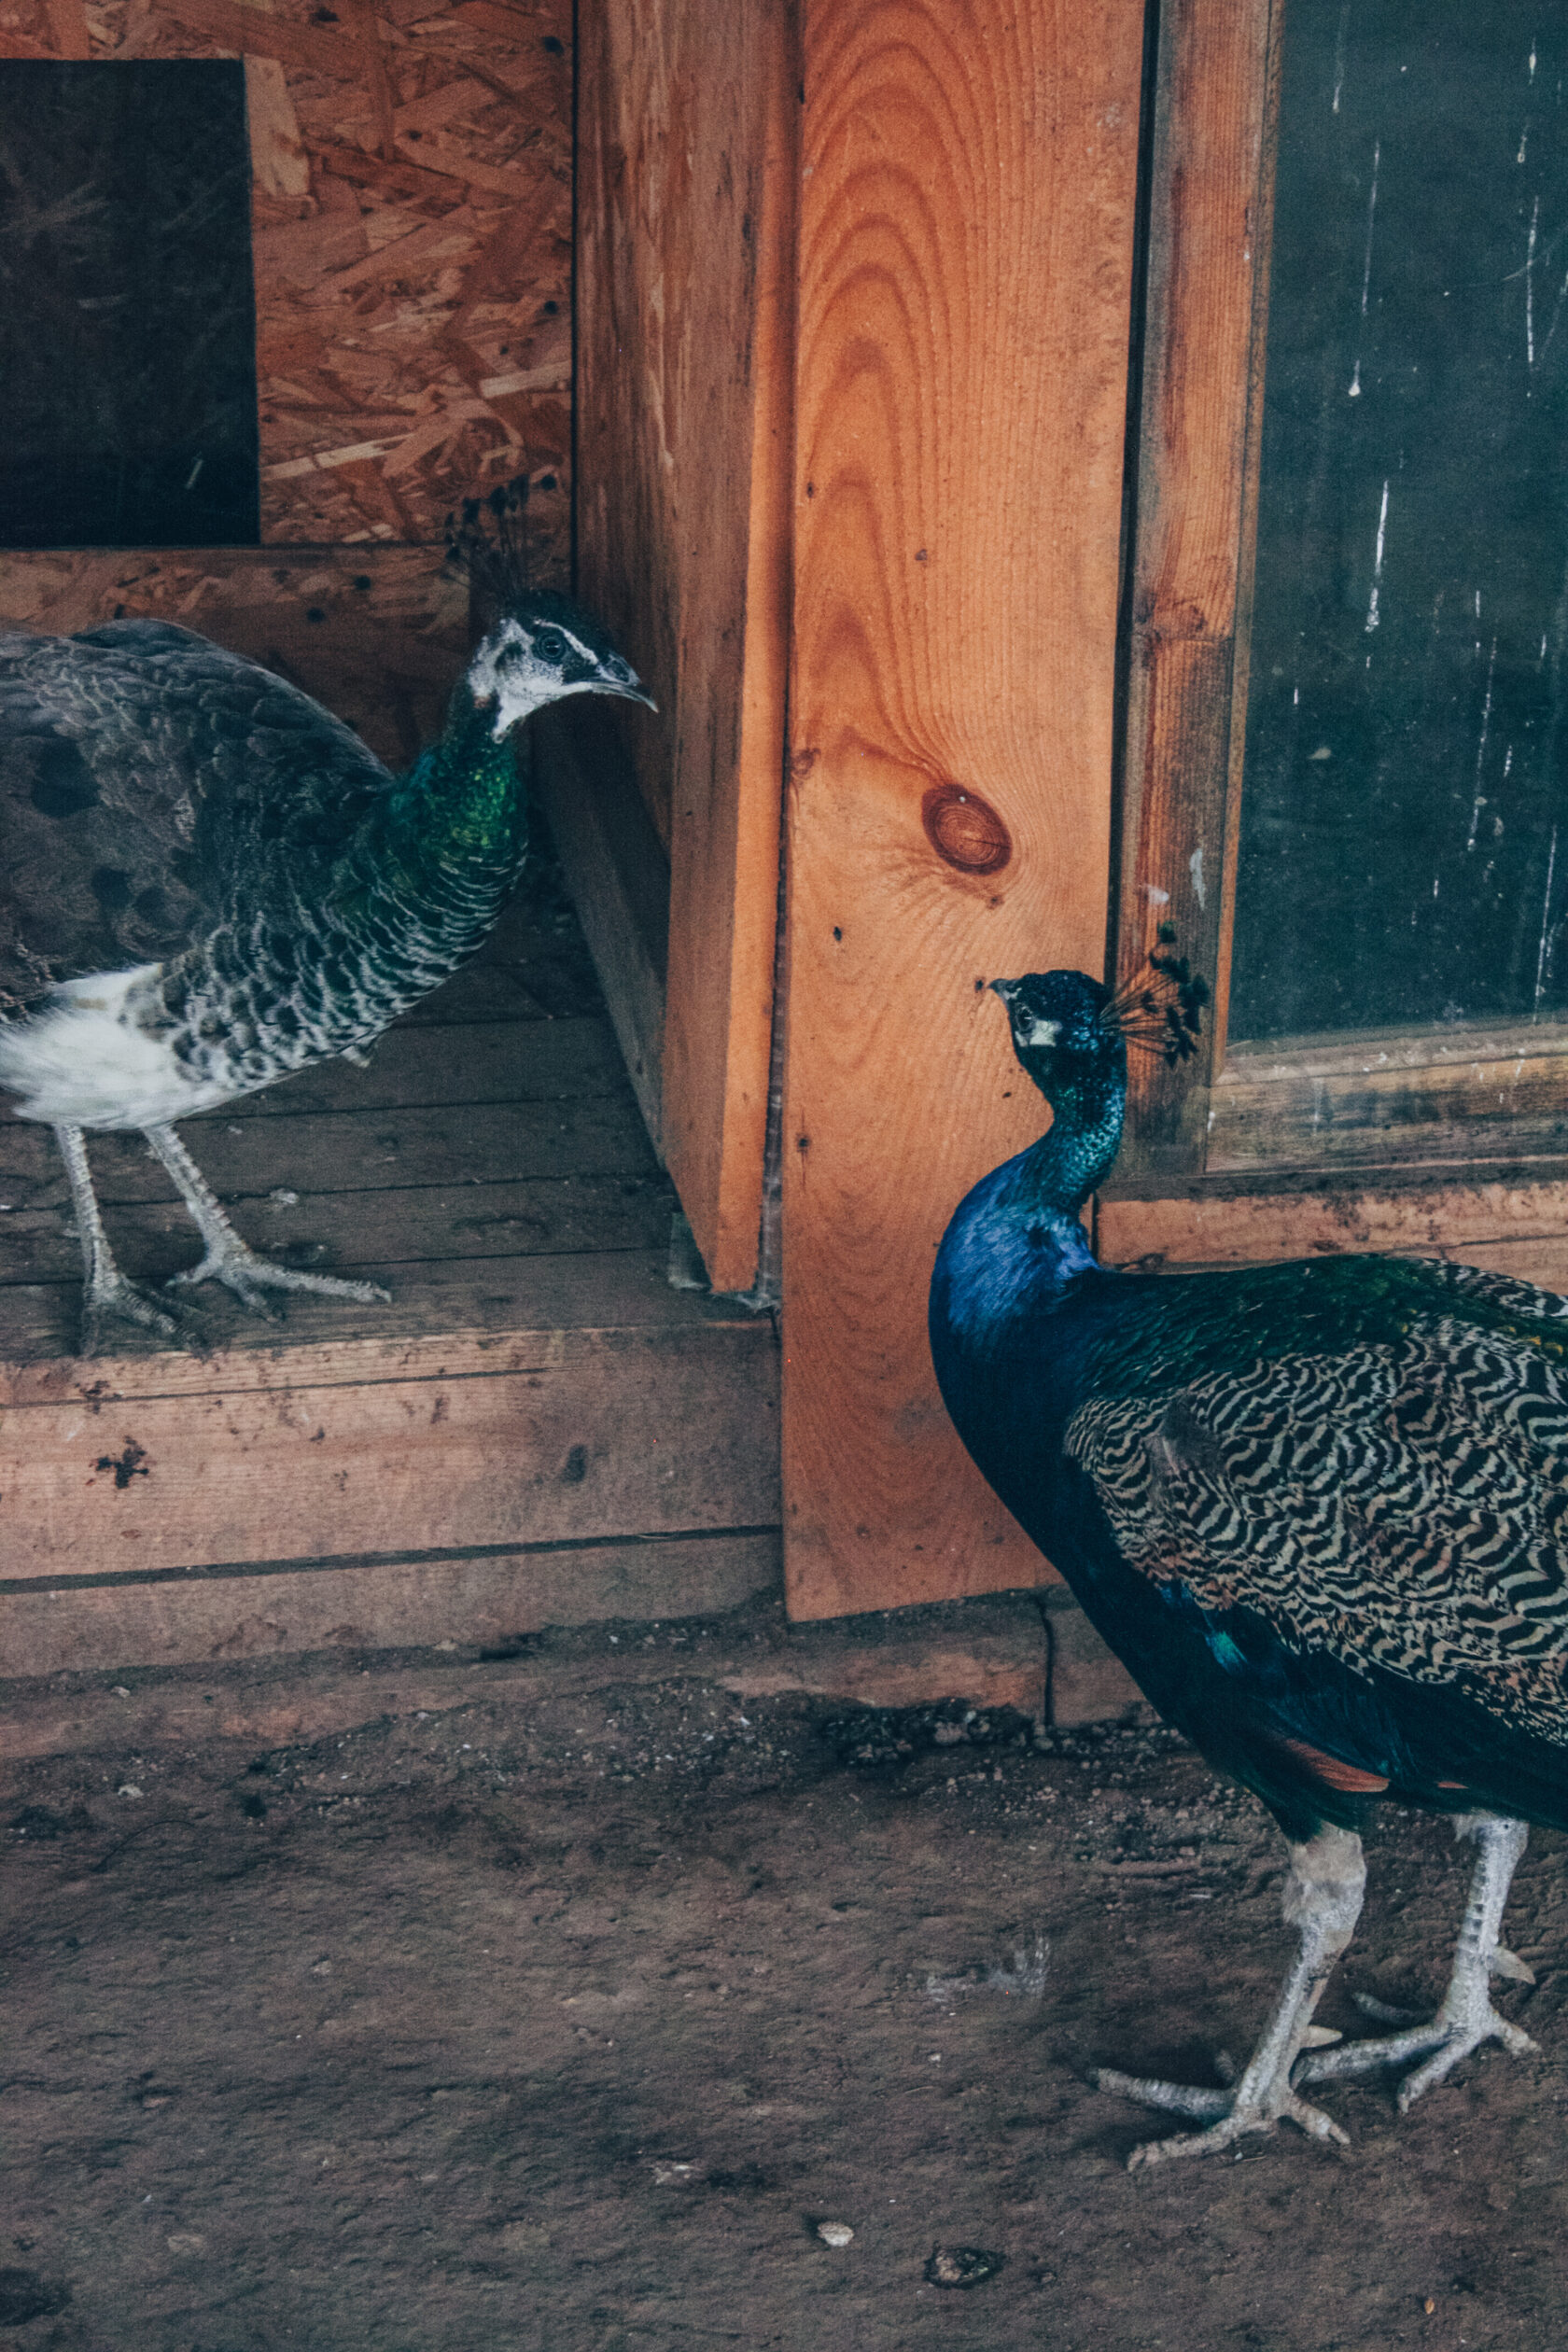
(113, 1299)
(1251, 2106)
(1466, 2021)
(250, 1276)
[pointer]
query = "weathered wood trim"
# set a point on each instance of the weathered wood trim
(1448, 1217)
(686, 190)
(380, 1605)
(619, 877)
(1210, 200)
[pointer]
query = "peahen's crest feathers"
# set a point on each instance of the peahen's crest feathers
(488, 539)
(1161, 1007)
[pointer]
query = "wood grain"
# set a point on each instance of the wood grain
(686, 288)
(411, 227)
(966, 249)
(1211, 180)
(543, 1438)
(385, 1604)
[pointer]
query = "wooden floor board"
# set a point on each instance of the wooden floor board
(348, 1152)
(405, 1226)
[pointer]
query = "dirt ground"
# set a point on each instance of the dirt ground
(563, 2027)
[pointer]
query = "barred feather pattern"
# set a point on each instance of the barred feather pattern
(1403, 1504)
(269, 993)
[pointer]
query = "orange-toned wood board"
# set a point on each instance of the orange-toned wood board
(537, 1428)
(412, 233)
(966, 248)
(685, 302)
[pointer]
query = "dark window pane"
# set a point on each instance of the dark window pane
(1405, 825)
(127, 313)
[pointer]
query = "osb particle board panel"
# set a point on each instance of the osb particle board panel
(966, 246)
(375, 633)
(411, 227)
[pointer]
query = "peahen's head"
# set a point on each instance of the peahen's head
(1070, 1031)
(545, 646)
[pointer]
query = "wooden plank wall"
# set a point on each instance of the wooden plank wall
(685, 304)
(411, 221)
(966, 250)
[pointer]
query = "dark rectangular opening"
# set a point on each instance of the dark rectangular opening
(127, 307)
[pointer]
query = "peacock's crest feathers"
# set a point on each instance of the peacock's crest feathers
(1160, 1009)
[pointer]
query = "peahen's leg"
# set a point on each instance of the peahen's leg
(1322, 1900)
(1465, 2018)
(229, 1260)
(105, 1291)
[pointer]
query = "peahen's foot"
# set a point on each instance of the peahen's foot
(1466, 2017)
(1322, 1901)
(1250, 2105)
(241, 1269)
(113, 1299)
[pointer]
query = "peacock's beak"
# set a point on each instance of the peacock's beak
(633, 691)
(1006, 989)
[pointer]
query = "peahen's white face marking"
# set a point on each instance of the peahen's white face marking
(521, 671)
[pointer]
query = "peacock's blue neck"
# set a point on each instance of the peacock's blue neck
(1016, 1244)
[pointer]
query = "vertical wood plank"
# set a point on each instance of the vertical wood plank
(686, 288)
(966, 254)
(1208, 268)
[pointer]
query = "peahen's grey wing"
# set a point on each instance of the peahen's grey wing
(1402, 1504)
(151, 780)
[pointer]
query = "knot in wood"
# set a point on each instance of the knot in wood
(964, 829)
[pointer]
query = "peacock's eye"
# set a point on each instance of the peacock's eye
(551, 646)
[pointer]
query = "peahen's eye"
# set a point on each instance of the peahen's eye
(549, 646)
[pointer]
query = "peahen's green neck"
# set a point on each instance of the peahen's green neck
(455, 824)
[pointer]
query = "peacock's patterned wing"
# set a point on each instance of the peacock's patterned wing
(1400, 1503)
(150, 782)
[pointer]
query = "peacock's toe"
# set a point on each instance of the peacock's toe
(1234, 2114)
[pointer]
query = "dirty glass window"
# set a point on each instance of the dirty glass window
(1404, 846)
(127, 310)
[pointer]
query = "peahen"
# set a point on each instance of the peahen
(210, 882)
(1320, 1511)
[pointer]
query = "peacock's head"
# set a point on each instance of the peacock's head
(1058, 1027)
(1068, 1028)
(543, 647)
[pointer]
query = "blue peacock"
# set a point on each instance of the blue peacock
(210, 882)
(1320, 1510)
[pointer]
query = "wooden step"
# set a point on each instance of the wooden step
(538, 1428)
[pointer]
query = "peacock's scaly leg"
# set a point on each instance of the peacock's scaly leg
(1466, 2017)
(229, 1260)
(1322, 1900)
(105, 1291)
